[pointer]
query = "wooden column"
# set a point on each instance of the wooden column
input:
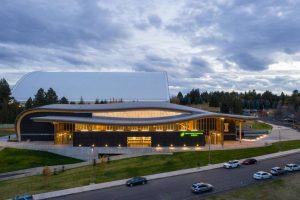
(240, 130)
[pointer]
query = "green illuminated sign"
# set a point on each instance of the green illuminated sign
(191, 134)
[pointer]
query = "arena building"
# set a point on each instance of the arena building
(128, 124)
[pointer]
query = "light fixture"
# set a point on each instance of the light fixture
(93, 145)
(184, 145)
(171, 145)
(119, 145)
(158, 145)
(79, 145)
(197, 145)
(106, 145)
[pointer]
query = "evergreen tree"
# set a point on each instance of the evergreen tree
(81, 101)
(29, 103)
(14, 108)
(4, 100)
(63, 100)
(51, 97)
(40, 98)
(97, 101)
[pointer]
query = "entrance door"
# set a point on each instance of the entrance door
(63, 138)
(139, 141)
(215, 138)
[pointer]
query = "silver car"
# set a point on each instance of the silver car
(262, 175)
(231, 164)
(201, 187)
(292, 167)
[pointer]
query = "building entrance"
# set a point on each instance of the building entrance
(63, 138)
(215, 138)
(139, 141)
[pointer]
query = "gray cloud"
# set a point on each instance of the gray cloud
(153, 63)
(58, 23)
(259, 28)
(198, 67)
(155, 20)
(248, 62)
(196, 42)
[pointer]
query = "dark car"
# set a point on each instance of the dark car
(201, 187)
(249, 161)
(277, 171)
(136, 181)
(23, 197)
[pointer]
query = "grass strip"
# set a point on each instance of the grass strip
(126, 168)
(17, 159)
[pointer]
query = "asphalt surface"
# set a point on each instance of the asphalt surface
(178, 187)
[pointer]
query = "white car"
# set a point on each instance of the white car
(292, 167)
(262, 175)
(231, 164)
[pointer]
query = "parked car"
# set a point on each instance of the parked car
(231, 164)
(249, 161)
(277, 171)
(262, 175)
(201, 187)
(136, 181)
(23, 197)
(292, 167)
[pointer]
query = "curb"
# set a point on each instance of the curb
(150, 177)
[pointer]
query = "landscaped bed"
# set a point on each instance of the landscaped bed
(261, 126)
(126, 168)
(17, 159)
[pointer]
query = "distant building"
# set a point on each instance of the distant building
(109, 86)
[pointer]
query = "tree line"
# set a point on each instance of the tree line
(234, 102)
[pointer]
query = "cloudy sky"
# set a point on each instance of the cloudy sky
(212, 45)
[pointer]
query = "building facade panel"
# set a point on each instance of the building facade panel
(138, 139)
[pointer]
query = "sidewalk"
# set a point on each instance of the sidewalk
(149, 177)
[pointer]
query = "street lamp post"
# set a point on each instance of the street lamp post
(279, 139)
(209, 147)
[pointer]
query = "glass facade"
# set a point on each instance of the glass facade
(138, 113)
(211, 127)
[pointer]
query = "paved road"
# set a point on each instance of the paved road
(178, 187)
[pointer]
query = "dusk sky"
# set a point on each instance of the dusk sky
(211, 45)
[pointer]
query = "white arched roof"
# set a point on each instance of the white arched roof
(128, 86)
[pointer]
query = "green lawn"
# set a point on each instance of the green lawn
(285, 188)
(261, 126)
(16, 159)
(4, 132)
(126, 168)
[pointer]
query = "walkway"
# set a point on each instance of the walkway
(279, 133)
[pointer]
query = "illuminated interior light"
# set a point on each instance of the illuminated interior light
(79, 145)
(93, 145)
(106, 145)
